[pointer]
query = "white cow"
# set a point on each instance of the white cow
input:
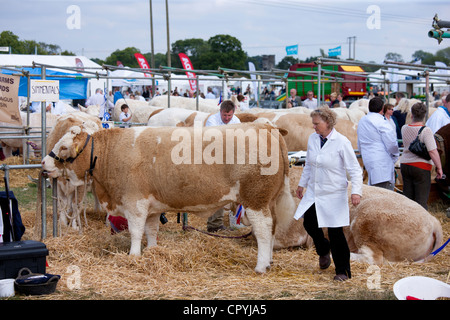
(177, 117)
(204, 105)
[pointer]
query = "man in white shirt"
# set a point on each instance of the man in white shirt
(99, 99)
(378, 146)
(440, 117)
(210, 94)
(310, 102)
(223, 117)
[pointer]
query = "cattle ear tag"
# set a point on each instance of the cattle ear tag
(76, 149)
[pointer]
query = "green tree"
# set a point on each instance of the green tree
(9, 39)
(443, 55)
(126, 56)
(160, 59)
(225, 51)
(193, 48)
(392, 56)
(286, 62)
(425, 57)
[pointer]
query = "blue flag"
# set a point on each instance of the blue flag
(334, 52)
(290, 50)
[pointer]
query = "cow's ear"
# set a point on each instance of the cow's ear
(283, 132)
(75, 130)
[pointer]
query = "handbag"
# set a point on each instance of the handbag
(419, 148)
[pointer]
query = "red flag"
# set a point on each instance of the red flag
(142, 62)
(79, 64)
(186, 62)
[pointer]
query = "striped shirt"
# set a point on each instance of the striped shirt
(409, 133)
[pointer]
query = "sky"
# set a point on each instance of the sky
(96, 28)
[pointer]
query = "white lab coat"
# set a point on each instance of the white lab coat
(377, 142)
(438, 119)
(325, 179)
(216, 120)
(99, 100)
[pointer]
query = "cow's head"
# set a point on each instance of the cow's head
(67, 149)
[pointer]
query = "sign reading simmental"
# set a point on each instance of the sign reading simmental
(9, 99)
(44, 90)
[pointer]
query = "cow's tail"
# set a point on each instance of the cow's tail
(285, 205)
(437, 240)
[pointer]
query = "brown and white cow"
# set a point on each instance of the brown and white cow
(385, 226)
(299, 127)
(9, 145)
(70, 197)
(141, 172)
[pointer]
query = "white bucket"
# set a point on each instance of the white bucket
(421, 288)
(6, 288)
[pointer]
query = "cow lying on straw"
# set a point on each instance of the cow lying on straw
(141, 172)
(385, 226)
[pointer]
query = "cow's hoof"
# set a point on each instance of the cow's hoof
(262, 270)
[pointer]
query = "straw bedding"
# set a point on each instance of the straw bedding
(192, 265)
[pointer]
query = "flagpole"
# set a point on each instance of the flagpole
(152, 61)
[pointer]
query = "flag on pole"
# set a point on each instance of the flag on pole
(290, 50)
(334, 52)
(187, 65)
(142, 62)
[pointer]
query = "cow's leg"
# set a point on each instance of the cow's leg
(7, 151)
(136, 226)
(261, 222)
(151, 229)
(367, 254)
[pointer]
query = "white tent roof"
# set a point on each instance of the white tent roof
(54, 60)
(26, 60)
(182, 82)
(133, 78)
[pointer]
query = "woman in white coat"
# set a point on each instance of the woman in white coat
(325, 202)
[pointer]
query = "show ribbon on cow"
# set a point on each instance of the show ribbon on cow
(240, 210)
(106, 117)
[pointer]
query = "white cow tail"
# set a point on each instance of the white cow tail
(285, 206)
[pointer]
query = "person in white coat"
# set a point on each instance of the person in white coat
(441, 116)
(100, 100)
(330, 158)
(223, 117)
(378, 145)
